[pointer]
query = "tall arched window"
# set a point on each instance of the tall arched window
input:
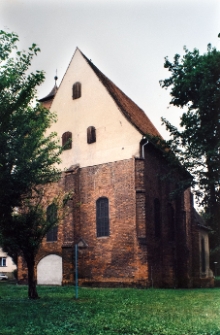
(76, 90)
(52, 219)
(91, 135)
(203, 255)
(67, 140)
(171, 222)
(102, 217)
(157, 223)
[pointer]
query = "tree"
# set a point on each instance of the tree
(195, 86)
(29, 226)
(27, 157)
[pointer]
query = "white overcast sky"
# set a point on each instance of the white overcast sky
(126, 39)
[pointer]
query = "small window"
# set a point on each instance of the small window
(203, 255)
(91, 135)
(102, 217)
(52, 235)
(67, 140)
(157, 223)
(76, 90)
(2, 261)
(52, 219)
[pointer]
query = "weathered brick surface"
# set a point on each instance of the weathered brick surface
(172, 262)
(52, 190)
(140, 198)
(161, 252)
(113, 259)
(140, 174)
(141, 214)
(132, 255)
(117, 259)
(68, 264)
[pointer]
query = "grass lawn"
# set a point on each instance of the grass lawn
(109, 311)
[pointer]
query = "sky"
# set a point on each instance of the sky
(126, 39)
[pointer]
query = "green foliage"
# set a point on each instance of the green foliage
(110, 311)
(27, 228)
(195, 86)
(28, 157)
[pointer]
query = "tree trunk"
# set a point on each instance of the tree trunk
(32, 289)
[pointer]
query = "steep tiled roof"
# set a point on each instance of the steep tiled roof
(134, 114)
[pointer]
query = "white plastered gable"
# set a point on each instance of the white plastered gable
(116, 138)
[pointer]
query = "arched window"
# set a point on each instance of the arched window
(203, 255)
(171, 222)
(91, 135)
(102, 217)
(157, 223)
(52, 219)
(67, 140)
(76, 90)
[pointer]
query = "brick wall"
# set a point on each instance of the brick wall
(132, 254)
(169, 251)
(140, 198)
(115, 259)
(120, 258)
(51, 191)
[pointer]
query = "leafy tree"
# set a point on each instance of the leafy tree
(27, 156)
(195, 86)
(29, 226)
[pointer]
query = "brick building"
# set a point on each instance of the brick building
(128, 230)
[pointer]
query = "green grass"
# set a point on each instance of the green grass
(109, 311)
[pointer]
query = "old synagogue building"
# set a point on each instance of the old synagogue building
(128, 229)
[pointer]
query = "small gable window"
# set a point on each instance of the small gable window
(157, 223)
(91, 135)
(67, 140)
(76, 90)
(102, 217)
(52, 219)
